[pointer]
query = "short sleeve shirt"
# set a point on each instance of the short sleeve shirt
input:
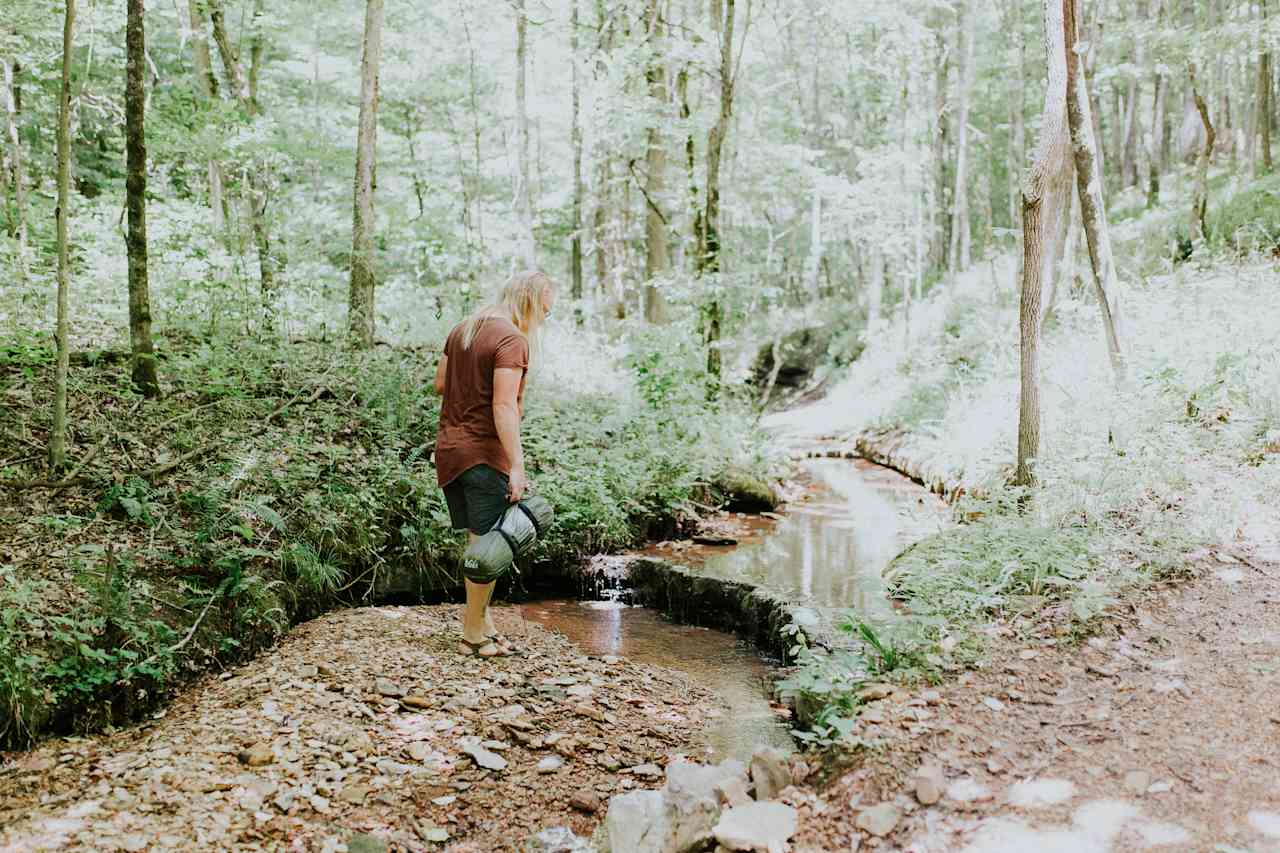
(468, 436)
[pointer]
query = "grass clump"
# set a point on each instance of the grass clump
(1249, 220)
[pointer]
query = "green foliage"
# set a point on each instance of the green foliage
(1249, 220)
(824, 684)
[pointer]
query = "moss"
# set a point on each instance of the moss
(743, 491)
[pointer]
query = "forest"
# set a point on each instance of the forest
(910, 410)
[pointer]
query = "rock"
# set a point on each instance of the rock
(418, 750)
(445, 800)
(873, 692)
(418, 703)
(770, 772)
(646, 771)
(929, 784)
(733, 792)
(691, 791)
(284, 801)
(484, 758)
(386, 687)
(756, 826)
(258, 755)
(354, 794)
(325, 671)
(550, 764)
(558, 839)
(308, 671)
(637, 822)
(585, 801)
(365, 843)
(879, 820)
(993, 703)
(590, 711)
(1137, 781)
(931, 697)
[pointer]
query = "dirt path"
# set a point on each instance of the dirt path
(359, 724)
(1161, 732)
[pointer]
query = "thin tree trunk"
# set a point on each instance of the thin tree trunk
(1089, 185)
(58, 431)
(256, 201)
(1200, 200)
(961, 233)
(1017, 101)
(657, 255)
(1042, 199)
(940, 141)
(142, 350)
(709, 254)
(207, 84)
(19, 171)
(814, 263)
(360, 313)
(575, 250)
(1159, 91)
(524, 201)
(1264, 96)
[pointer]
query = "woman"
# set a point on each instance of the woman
(479, 460)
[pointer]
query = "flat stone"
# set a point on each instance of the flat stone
(558, 839)
(484, 758)
(756, 826)
(879, 820)
(308, 671)
(258, 755)
(418, 703)
(386, 687)
(365, 843)
(550, 764)
(646, 771)
(354, 794)
(418, 750)
(732, 791)
(873, 692)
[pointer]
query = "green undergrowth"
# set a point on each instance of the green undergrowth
(1134, 480)
(273, 482)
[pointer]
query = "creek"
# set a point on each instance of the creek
(822, 556)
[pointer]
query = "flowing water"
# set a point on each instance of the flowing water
(824, 554)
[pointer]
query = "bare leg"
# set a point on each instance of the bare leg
(475, 617)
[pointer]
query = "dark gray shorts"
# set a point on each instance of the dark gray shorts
(476, 498)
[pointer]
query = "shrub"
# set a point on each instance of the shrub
(1250, 218)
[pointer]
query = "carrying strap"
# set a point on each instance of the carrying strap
(537, 528)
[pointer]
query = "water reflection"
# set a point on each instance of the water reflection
(829, 552)
(729, 667)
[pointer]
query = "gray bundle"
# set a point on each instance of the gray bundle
(493, 554)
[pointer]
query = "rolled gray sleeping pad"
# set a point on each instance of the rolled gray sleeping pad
(494, 553)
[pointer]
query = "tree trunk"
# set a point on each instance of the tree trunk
(1017, 101)
(1042, 198)
(575, 250)
(58, 431)
(1264, 97)
(256, 201)
(657, 256)
(709, 248)
(1089, 185)
(1200, 200)
(1159, 88)
(524, 199)
(207, 84)
(814, 263)
(360, 311)
(19, 170)
(961, 232)
(142, 351)
(940, 139)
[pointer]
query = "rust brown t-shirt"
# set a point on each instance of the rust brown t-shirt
(467, 434)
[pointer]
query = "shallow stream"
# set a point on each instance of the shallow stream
(824, 552)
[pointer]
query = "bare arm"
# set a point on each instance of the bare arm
(506, 419)
(440, 374)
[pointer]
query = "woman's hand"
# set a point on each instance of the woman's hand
(518, 485)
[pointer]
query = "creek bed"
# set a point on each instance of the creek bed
(822, 557)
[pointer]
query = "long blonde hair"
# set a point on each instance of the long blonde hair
(520, 302)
